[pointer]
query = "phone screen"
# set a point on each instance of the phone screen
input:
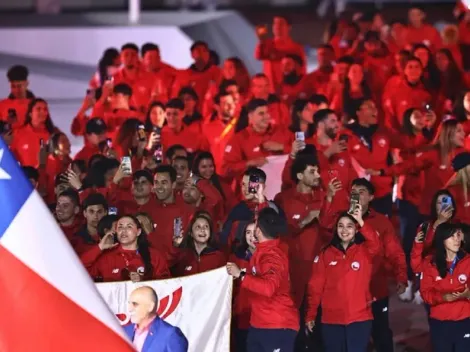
(353, 202)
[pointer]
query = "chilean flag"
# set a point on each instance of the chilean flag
(47, 300)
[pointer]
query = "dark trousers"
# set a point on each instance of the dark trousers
(381, 333)
(269, 340)
(240, 340)
(383, 205)
(450, 336)
(410, 219)
(347, 338)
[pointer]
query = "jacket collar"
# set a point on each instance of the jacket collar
(153, 333)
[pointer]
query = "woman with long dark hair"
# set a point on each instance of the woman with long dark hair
(451, 77)
(302, 118)
(431, 76)
(125, 255)
(36, 131)
(107, 67)
(444, 286)
(204, 167)
(340, 280)
(195, 252)
(128, 141)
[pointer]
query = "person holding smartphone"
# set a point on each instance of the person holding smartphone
(340, 280)
(444, 286)
(130, 258)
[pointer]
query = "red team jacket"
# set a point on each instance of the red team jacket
(270, 289)
(433, 287)
(341, 281)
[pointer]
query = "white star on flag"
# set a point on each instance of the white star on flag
(3, 174)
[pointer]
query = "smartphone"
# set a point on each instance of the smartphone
(300, 136)
(141, 132)
(446, 202)
(157, 130)
(354, 201)
(126, 165)
(195, 179)
(41, 143)
(177, 227)
(344, 138)
(12, 116)
(112, 211)
(253, 184)
(158, 154)
(425, 227)
(109, 143)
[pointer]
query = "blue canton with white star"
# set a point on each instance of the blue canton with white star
(15, 188)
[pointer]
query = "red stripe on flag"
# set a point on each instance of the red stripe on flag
(38, 317)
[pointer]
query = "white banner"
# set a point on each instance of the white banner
(200, 305)
(273, 169)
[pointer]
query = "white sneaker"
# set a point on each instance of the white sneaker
(418, 299)
(408, 294)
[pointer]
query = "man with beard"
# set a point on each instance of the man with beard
(67, 212)
(309, 212)
(336, 163)
(221, 128)
(293, 85)
(169, 210)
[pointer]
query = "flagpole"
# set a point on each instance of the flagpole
(134, 10)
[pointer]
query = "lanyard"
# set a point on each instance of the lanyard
(452, 266)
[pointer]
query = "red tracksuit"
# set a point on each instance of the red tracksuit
(19, 105)
(188, 262)
(318, 80)
(374, 156)
(426, 34)
(378, 70)
(291, 92)
(116, 263)
(143, 84)
(435, 173)
(213, 203)
(163, 215)
(87, 152)
(190, 137)
(270, 288)
(200, 81)
(433, 287)
(341, 281)
(271, 52)
(26, 143)
(392, 262)
(399, 99)
(71, 230)
(219, 134)
(247, 144)
(304, 244)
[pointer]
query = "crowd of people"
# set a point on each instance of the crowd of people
(375, 190)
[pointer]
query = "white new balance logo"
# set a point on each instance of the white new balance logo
(277, 350)
(466, 336)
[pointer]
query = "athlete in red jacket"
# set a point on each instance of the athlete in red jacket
(444, 286)
(196, 252)
(308, 211)
(341, 282)
(274, 317)
(128, 259)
